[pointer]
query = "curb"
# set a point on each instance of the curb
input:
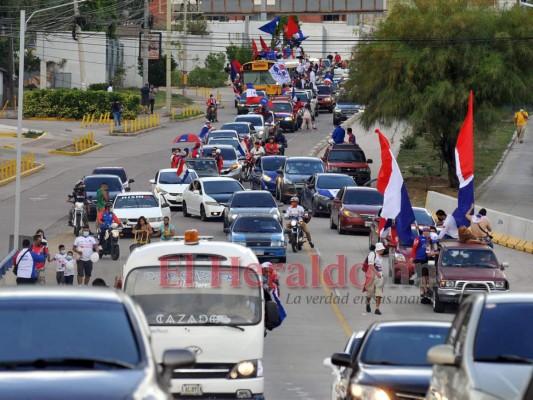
(8, 147)
(133, 134)
(51, 119)
(96, 146)
(15, 135)
(187, 119)
(513, 242)
(319, 146)
(35, 169)
(481, 187)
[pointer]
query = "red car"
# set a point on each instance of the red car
(285, 115)
(347, 159)
(325, 98)
(354, 209)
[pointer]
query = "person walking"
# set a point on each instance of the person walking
(420, 254)
(151, 98)
(85, 245)
(61, 261)
(40, 247)
(116, 110)
(145, 98)
(110, 88)
(25, 261)
(520, 120)
(374, 282)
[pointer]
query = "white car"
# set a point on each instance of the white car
(171, 185)
(206, 196)
(256, 120)
(305, 95)
(128, 207)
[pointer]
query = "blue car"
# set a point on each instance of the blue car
(320, 190)
(265, 175)
(263, 234)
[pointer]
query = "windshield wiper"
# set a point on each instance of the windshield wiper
(381, 363)
(221, 324)
(41, 363)
(505, 358)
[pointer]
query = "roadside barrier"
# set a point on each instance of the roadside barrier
(206, 92)
(8, 168)
(187, 111)
(84, 142)
(7, 262)
(88, 120)
(137, 124)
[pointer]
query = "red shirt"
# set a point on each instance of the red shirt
(174, 162)
(220, 163)
(271, 148)
(40, 249)
(337, 58)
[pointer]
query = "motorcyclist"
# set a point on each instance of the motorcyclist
(79, 195)
(267, 116)
(257, 151)
(271, 148)
(297, 211)
(281, 141)
(211, 101)
(105, 219)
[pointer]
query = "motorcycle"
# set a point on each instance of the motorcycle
(79, 215)
(247, 167)
(110, 245)
(296, 234)
(212, 113)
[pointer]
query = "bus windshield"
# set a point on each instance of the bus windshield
(258, 78)
(196, 297)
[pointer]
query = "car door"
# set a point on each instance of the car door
(164, 206)
(193, 199)
(154, 182)
(307, 192)
(336, 205)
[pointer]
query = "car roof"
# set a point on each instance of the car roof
(496, 298)
(60, 293)
(102, 176)
(223, 138)
(220, 146)
(135, 194)
(412, 323)
(345, 146)
(304, 159)
(216, 178)
(361, 188)
(224, 131)
(168, 170)
(252, 192)
(109, 168)
(319, 174)
(235, 122)
(455, 245)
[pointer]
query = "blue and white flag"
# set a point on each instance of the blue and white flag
(270, 27)
(279, 73)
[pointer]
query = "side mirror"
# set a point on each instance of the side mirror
(504, 265)
(284, 211)
(369, 161)
(280, 204)
(227, 230)
(152, 181)
(131, 180)
(443, 354)
(271, 314)
(165, 205)
(341, 359)
(279, 172)
(173, 359)
(128, 189)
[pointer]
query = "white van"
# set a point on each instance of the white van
(207, 297)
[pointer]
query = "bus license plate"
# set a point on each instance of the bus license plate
(191, 390)
(368, 224)
(258, 252)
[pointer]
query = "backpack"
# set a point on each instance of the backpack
(365, 263)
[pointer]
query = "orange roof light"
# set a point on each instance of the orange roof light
(191, 236)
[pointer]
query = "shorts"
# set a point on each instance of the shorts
(145, 102)
(375, 287)
(85, 268)
(424, 269)
(41, 276)
(60, 277)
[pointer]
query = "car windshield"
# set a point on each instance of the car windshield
(92, 184)
(255, 120)
(258, 225)
(47, 329)
(257, 78)
(202, 165)
(303, 97)
(365, 197)
(304, 167)
(232, 142)
(272, 163)
(334, 182)
(324, 90)
(240, 128)
(171, 178)
(422, 217)
(111, 171)
(196, 297)
(224, 187)
(402, 345)
(283, 107)
(227, 153)
(222, 134)
(253, 200)
(480, 258)
(136, 201)
(504, 333)
(347, 156)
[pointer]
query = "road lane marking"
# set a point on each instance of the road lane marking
(336, 309)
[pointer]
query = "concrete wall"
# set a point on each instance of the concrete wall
(502, 223)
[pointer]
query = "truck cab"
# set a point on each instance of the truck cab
(205, 296)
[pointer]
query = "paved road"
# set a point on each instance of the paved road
(511, 189)
(313, 329)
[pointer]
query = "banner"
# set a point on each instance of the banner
(279, 73)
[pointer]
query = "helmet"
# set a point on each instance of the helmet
(296, 199)
(271, 138)
(79, 184)
(218, 151)
(108, 204)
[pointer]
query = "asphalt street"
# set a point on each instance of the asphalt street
(314, 328)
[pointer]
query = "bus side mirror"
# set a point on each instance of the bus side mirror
(271, 314)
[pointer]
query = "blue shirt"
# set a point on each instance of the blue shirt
(421, 254)
(338, 134)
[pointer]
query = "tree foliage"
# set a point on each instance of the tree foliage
(212, 75)
(157, 70)
(422, 61)
(243, 54)
(280, 29)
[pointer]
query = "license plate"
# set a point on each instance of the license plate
(368, 224)
(258, 252)
(191, 390)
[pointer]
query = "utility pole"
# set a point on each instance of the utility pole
(79, 39)
(145, 42)
(184, 53)
(11, 66)
(168, 99)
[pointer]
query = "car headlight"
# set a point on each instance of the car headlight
(499, 284)
(233, 216)
(350, 213)
(337, 111)
(447, 284)
(287, 119)
(277, 243)
(234, 166)
(363, 169)
(328, 99)
(294, 223)
(287, 181)
(364, 392)
(266, 178)
(246, 369)
(333, 169)
(211, 203)
(399, 257)
(239, 242)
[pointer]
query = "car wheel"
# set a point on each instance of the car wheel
(203, 215)
(293, 128)
(317, 112)
(331, 110)
(184, 210)
(283, 259)
(339, 227)
(331, 223)
(116, 253)
(438, 306)
(314, 211)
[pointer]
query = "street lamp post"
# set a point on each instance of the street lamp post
(20, 97)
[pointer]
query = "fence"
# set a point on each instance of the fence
(143, 122)
(89, 119)
(84, 142)
(8, 168)
(7, 262)
(206, 92)
(187, 111)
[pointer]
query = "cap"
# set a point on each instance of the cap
(379, 246)
(425, 229)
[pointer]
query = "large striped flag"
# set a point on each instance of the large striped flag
(464, 166)
(396, 203)
(182, 170)
(251, 95)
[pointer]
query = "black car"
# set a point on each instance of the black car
(292, 177)
(243, 108)
(391, 361)
(344, 109)
(321, 189)
(94, 182)
(118, 171)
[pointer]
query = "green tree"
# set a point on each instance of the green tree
(157, 74)
(242, 54)
(280, 29)
(212, 75)
(422, 61)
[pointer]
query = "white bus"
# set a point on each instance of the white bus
(207, 297)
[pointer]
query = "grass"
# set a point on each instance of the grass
(181, 116)
(422, 169)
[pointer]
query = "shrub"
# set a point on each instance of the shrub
(98, 86)
(212, 75)
(70, 103)
(408, 142)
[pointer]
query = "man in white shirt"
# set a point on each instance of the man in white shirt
(312, 77)
(85, 245)
(374, 282)
(449, 226)
(110, 87)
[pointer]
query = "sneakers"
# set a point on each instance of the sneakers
(70, 223)
(312, 245)
(377, 312)
(368, 309)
